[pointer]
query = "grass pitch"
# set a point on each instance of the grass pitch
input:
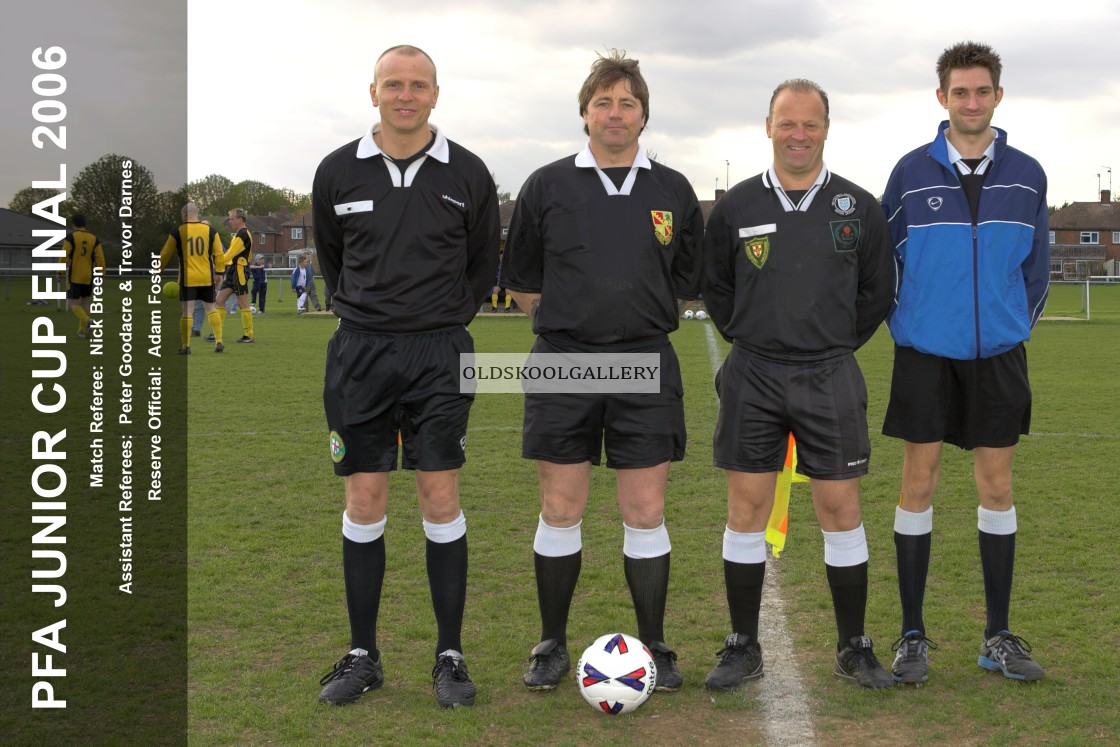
(267, 615)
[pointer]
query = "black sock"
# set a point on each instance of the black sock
(744, 595)
(912, 558)
(556, 583)
(648, 579)
(447, 579)
(848, 585)
(363, 570)
(997, 559)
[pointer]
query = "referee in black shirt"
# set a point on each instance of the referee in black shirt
(407, 233)
(798, 273)
(601, 245)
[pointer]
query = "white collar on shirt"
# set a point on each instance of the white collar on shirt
(770, 179)
(585, 160)
(368, 148)
(957, 160)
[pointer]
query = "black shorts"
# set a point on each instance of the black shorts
(761, 401)
(379, 385)
(235, 280)
(79, 290)
(637, 430)
(984, 402)
(204, 293)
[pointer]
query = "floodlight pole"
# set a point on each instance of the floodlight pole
(727, 175)
(1109, 170)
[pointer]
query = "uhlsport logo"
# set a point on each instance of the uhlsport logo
(338, 449)
(758, 250)
(662, 226)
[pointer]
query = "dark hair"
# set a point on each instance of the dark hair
(798, 85)
(78, 220)
(608, 70)
(968, 54)
(405, 50)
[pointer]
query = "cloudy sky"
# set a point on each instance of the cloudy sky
(274, 86)
(509, 74)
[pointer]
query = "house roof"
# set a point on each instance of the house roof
(1087, 216)
(16, 228)
(300, 221)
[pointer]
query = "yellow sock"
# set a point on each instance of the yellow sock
(493, 300)
(83, 318)
(215, 318)
(509, 300)
(185, 331)
(247, 322)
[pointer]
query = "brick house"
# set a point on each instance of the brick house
(1085, 239)
(296, 233)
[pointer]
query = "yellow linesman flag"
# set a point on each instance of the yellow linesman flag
(778, 524)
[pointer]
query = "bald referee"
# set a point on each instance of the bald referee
(407, 229)
(798, 274)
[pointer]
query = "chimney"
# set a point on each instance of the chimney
(720, 193)
(1106, 196)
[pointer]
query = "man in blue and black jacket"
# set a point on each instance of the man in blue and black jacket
(968, 219)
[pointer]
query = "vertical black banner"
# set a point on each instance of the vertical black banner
(93, 493)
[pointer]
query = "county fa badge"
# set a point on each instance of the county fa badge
(662, 226)
(758, 250)
(338, 448)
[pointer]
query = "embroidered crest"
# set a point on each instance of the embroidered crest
(845, 234)
(843, 204)
(758, 250)
(662, 226)
(935, 203)
(338, 449)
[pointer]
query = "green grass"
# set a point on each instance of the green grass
(267, 614)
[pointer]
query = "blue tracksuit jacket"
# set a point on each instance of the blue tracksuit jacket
(967, 289)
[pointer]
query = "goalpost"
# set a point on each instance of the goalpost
(1073, 299)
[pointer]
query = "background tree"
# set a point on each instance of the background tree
(502, 196)
(208, 191)
(298, 202)
(25, 199)
(97, 193)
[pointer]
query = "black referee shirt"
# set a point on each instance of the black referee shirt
(609, 263)
(798, 277)
(405, 252)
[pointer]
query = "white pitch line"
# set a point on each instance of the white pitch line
(780, 691)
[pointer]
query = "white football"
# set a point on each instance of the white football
(616, 674)
(688, 314)
(701, 314)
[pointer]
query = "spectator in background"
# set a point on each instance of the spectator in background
(301, 278)
(260, 284)
(312, 295)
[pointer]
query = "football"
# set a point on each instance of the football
(688, 314)
(171, 289)
(616, 674)
(701, 314)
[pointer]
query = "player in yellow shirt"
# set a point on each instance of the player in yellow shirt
(236, 280)
(199, 250)
(83, 253)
